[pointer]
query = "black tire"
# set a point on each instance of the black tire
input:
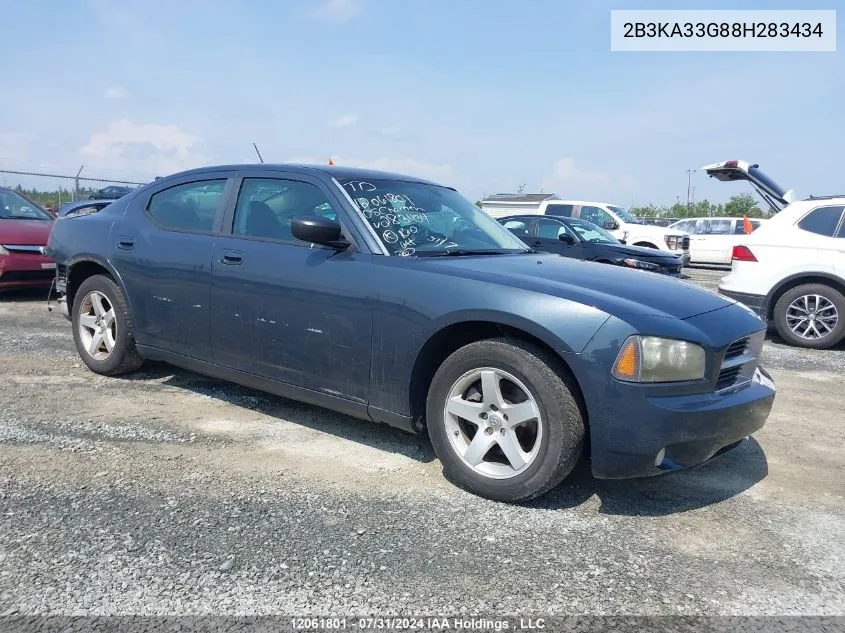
(561, 442)
(830, 294)
(123, 357)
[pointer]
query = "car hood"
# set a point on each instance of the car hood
(612, 289)
(29, 232)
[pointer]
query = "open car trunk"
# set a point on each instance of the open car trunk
(775, 196)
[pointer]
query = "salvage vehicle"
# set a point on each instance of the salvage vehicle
(613, 218)
(24, 229)
(394, 299)
(584, 240)
(791, 271)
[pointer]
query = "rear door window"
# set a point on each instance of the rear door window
(188, 207)
(713, 227)
(822, 221)
(562, 210)
(517, 227)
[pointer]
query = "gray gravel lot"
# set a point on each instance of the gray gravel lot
(170, 493)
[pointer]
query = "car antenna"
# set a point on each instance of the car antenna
(257, 152)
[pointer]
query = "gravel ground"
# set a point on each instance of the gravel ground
(170, 493)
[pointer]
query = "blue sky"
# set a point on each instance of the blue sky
(484, 95)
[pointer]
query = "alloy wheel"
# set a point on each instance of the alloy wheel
(493, 423)
(812, 317)
(97, 325)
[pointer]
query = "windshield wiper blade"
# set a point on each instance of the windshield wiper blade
(463, 252)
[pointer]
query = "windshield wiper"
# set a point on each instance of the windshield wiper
(463, 252)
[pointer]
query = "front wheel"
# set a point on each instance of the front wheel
(503, 421)
(102, 329)
(812, 315)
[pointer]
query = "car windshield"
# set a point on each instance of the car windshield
(422, 220)
(589, 232)
(625, 215)
(14, 206)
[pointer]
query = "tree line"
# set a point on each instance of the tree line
(740, 205)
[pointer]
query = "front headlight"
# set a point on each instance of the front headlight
(656, 359)
(635, 263)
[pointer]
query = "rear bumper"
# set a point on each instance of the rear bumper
(26, 270)
(646, 435)
(757, 303)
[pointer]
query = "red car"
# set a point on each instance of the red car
(24, 229)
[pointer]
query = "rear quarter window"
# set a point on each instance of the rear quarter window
(822, 221)
(564, 210)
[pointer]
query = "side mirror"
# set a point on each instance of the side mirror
(316, 229)
(610, 225)
(566, 238)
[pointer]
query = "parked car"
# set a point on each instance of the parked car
(112, 192)
(24, 229)
(791, 271)
(414, 308)
(621, 224)
(82, 207)
(712, 239)
(584, 240)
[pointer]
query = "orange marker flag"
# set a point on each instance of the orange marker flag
(331, 162)
(746, 224)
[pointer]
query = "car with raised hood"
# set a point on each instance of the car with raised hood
(24, 230)
(712, 238)
(580, 239)
(791, 270)
(394, 299)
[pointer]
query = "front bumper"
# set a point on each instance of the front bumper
(757, 303)
(643, 435)
(26, 270)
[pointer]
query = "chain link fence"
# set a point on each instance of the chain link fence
(51, 191)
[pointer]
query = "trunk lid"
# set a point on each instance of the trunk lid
(775, 196)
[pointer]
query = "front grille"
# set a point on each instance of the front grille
(739, 362)
(22, 248)
(728, 377)
(737, 348)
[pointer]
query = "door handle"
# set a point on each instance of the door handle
(536, 243)
(126, 243)
(232, 258)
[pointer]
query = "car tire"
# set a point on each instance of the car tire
(826, 307)
(102, 329)
(496, 383)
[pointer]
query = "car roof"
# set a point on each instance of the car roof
(610, 204)
(335, 171)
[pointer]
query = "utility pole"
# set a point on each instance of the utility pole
(690, 172)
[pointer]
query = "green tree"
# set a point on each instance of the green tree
(742, 204)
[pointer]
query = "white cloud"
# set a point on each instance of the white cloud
(15, 147)
(144, 149)
(346, 120)
(116, 93)
(390, 131)
(338, 10)
(568, 180)
(407, 166)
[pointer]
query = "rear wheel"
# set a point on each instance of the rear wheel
(503, 422)
(102, 329)
(812, 315)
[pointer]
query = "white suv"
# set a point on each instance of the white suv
(792, 269)
(622, 225)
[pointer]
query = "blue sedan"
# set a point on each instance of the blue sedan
(396, 300)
